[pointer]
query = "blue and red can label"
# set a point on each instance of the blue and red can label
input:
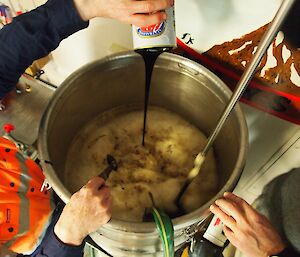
(157, 35)
(152, 31)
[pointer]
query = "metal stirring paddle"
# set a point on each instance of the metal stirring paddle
(265, 42)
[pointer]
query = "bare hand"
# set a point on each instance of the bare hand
(245, 228)
(87, 210)
(137, 12)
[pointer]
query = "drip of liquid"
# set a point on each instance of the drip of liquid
(150, 56)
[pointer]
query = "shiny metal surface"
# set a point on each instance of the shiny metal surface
(265, 42)
(117, 83)
(25, 109)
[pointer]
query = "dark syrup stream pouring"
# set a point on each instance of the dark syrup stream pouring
(150, 42)
(150, 56)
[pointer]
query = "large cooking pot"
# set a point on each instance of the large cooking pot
(179, 85)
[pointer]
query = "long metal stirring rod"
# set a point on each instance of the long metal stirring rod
(265, 42)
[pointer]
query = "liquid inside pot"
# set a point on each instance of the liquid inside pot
(159, 167)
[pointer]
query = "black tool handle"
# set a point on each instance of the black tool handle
(182, 191)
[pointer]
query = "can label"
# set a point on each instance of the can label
(152, 31)
(158, 35)
(214, 232)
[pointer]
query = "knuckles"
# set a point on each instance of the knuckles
(157, 18)
(149, 7)
(226, 219)
(259, 219)
(244, 204)
(89, 197)
(107, 215)
(105, 191)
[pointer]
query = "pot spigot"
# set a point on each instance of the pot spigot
(8, 128)
(28, 151)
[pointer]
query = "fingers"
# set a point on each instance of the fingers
(230, 208)
(104, 193)
(233, 197)
(149, 12)
(95, 183)
(229, 233)
(150, 6)
(106, 202)
(97, 187)
(226, 219)
(106, 209)
(239, 201)
(142, 20)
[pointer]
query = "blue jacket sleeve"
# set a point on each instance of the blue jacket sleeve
(34, 35)
(52, 247)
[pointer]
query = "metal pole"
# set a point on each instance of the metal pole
(265, 42)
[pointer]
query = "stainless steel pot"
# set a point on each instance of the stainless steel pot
(178, 84)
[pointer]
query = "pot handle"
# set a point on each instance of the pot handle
(88, 240)
(193, 229)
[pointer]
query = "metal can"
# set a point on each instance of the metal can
(162, 35)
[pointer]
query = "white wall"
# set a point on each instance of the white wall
(102, 37)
